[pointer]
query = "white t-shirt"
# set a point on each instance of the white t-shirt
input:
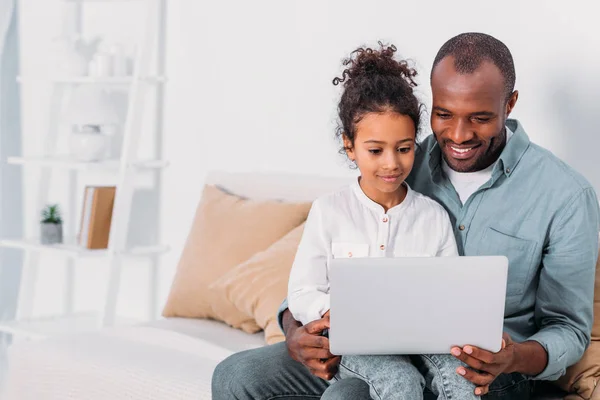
(347, 223)
(467, 183)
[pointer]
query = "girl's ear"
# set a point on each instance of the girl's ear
(348, 147)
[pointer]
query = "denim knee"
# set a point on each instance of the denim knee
(350, 388)
(221, 379)
(234, 376)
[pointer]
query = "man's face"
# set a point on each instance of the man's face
(469, 114)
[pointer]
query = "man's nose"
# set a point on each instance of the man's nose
(460, 132)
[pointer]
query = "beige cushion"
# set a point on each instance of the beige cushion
(226, 231)
(257, 286)
(582, 377)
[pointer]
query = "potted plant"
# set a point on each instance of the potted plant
(51, 225)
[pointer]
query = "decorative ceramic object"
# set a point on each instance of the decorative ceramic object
(89, 144)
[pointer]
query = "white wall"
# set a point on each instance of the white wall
(250, 84)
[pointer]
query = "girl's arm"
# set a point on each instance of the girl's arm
(447, 246)
(308, 288)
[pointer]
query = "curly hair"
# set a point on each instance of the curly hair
(374, 81)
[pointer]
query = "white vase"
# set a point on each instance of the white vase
(89, 146)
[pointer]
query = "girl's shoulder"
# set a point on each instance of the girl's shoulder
(339, 196)
(427, 205)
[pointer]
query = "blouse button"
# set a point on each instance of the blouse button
(385, 219)
(349, 254)
(382, 247)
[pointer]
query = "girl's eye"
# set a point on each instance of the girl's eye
(404, 150)
(375, 151)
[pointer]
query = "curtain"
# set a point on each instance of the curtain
(10, 176)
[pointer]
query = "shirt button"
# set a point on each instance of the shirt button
(508, 170)
(350, 254)
(462, 227)
(382, 247)
(385, 219)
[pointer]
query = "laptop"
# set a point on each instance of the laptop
(421, 305)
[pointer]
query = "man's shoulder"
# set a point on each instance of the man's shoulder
(551, 167)
(425, 145)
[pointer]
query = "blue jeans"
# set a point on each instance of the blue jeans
(396, 377)
(269, 373)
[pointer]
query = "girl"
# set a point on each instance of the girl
(377, 216)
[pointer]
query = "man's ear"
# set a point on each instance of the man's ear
(512, 101)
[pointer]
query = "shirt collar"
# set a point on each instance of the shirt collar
(364, 199)
(510, 157)
(515, 148)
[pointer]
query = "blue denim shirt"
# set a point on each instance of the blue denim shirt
(545, 218)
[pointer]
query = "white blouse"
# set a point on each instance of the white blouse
(346, 223)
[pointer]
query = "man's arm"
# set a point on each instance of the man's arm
(530, 358)
(565, 295)
(306, 345)
(288, 323)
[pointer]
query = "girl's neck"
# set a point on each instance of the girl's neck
(385, 200)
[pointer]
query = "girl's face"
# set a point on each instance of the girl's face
(384, 151)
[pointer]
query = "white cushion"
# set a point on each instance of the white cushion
(167, 359)
(214, 332)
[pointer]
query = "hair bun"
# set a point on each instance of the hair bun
(367, 62)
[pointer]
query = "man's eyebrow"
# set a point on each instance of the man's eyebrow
(475, 114)
(483, 114)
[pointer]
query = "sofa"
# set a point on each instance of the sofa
(173, 357)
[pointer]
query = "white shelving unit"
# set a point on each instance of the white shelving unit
(90, 80)
(147, 75)
(70, 248)
(67, 162)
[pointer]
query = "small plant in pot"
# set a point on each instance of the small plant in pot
(51, 225)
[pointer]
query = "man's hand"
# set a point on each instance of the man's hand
(484, 365)
(306, 345)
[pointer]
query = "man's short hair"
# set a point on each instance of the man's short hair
(471, 49)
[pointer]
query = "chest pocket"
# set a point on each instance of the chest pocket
(520, 254)
(347, 250)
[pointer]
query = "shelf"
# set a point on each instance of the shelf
(100, 1)
(68, 162)
(71, 249)
(110, 80)
(42, 327)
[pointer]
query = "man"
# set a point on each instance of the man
(505, 195)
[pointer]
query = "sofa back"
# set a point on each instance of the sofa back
(276, 186)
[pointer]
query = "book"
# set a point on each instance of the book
(96, 216)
